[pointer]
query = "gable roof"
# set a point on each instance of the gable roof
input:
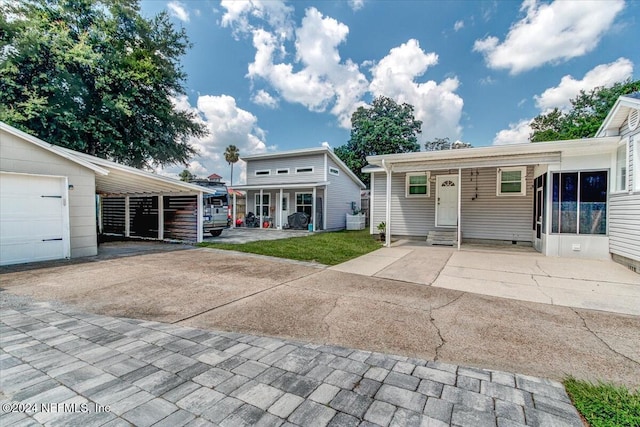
(306, 151)
(618, 114)
(58, 151)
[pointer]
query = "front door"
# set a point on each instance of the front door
(284, 208)
(538, 211)
(447, 201)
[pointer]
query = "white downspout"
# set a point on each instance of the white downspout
(200, 218)
(459, 237)
(387, 218)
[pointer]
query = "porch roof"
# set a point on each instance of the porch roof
(279, 186)
(498, 156)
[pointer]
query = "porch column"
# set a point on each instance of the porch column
(324, 207)
(199, 218)
(261, 208)
(160, 217)
(313, 212)
(459, 236)
(371, 204)
(127, 217)
(280, 208)
(387, 219)
(234, 214)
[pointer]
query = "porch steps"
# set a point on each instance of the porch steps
(442, 238)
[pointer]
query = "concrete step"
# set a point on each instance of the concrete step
(442, 238)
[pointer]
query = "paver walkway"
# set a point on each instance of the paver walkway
(61, 366)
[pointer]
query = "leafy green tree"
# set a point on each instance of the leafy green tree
(187, 176)
(95, 76)
(232, 155)
(439, 144)
(588, 110)
(384, 127)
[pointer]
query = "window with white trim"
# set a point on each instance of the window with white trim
(622, 165)
(263, 172)
(512, 181)
(304, 203)
(305, 170)
(264, 206)
(636, 160)
(284, 171)
(579, 202)
(417, 185)
(334, 171)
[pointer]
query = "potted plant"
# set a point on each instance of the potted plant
(382, 228)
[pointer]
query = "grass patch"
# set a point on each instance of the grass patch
(325, 248)
(605, 405)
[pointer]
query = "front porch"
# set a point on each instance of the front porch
(273, 204)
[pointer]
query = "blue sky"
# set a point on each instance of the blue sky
(273, 75)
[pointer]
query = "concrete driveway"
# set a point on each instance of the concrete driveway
(251, 294)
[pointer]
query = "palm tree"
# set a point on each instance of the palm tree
(231, 155)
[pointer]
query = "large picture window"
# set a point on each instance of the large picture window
(304, 203)
(417, 185)
(579, 203)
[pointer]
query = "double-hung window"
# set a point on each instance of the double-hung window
(512, 181)
(622, 165)
(304, 203)
(579, 202)
(417, 185)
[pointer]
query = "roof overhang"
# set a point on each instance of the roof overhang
(317, 150)
(58, 151)
(495, 156)
(283, 186)
(617, 116)
(125, 180)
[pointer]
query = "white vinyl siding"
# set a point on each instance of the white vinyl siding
(341, 191)
(624, 207)
(314, 161)
(484, 214)
(23, 157)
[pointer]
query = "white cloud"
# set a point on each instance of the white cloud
(227, 124)
(518, 133)
(550, 33)
(240, 14)
(265, 99)
(436, 104)
(602, 75)
(356, 4)
(324, 79)
(458, 25)
(178, 10)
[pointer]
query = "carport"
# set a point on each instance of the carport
(134, 203)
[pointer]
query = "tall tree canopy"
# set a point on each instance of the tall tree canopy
(231, 155)
(96, 77)
(588, 111)
(384, 127)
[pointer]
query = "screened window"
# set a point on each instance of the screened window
(579, 203)
(621, 166)
(511, 181)
(304, 203)
(417, 185)
(264, 206)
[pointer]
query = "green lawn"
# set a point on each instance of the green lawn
(605, 405)
(324, 248)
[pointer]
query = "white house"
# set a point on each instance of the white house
(54, 202)
(314, 181)
(578, 198)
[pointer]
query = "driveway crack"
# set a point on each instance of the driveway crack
(584, 322)
(285, 283)
(324, 318)
(433, 323)
(540, 288)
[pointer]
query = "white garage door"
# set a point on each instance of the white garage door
(34, 218)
